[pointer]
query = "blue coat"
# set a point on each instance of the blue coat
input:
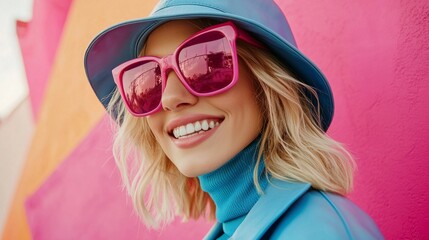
(296, 211)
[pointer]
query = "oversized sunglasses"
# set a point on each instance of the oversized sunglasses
(206, 63)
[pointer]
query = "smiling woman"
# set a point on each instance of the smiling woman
(229, 121)
(240, 137)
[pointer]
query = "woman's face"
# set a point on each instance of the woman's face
(233, 118)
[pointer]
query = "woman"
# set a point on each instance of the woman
(219, 114)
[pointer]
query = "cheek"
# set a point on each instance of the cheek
(246, 88)
(155, 126)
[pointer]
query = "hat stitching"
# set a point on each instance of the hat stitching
(192, 4)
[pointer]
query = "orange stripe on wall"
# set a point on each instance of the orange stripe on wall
(70, 108)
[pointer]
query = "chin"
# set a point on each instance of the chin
(190, 173)
(195, 170)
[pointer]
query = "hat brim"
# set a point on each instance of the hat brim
(120, 43)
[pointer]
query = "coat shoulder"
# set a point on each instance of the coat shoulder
(321, 215)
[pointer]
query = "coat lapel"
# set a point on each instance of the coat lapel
(215, 232)
(278, 197)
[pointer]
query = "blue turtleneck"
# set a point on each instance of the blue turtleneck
(232, 188)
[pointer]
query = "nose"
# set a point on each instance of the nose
(175, 95)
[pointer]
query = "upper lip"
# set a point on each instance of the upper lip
(180, 121)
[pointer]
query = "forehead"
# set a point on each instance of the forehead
(167, 37)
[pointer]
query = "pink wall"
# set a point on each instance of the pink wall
(376, 56)
(39, 39)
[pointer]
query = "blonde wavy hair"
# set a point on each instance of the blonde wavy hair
(293, 146)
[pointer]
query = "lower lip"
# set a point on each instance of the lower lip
(194, 140)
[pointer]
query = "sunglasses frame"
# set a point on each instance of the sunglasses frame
(170, 62)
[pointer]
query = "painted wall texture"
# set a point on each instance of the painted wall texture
(374, 53)
(67, 114)
(376, 56)
(39, 39)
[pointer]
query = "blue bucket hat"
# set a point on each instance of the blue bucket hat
(263, 19)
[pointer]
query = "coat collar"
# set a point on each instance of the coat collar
(279, 196)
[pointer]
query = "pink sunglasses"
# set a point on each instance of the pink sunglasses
(206, 64)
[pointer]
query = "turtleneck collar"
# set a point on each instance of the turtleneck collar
(232, 188)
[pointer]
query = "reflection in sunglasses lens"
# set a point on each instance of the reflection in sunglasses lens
(142, 86)
(206, 62)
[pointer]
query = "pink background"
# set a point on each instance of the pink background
(39, 39)
(376, 56)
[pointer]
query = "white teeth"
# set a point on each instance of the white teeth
(194, 128)
(198, 126)
(190, 128)
(182, 130)
(176, 133)
(205, 125)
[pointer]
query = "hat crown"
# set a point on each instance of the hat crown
(261, 12)
(262, 18)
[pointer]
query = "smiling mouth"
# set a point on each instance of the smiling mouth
(195, 128)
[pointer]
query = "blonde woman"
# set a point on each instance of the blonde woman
(219, 115)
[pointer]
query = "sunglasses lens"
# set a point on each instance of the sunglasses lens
(142, 86)
(206, 62)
